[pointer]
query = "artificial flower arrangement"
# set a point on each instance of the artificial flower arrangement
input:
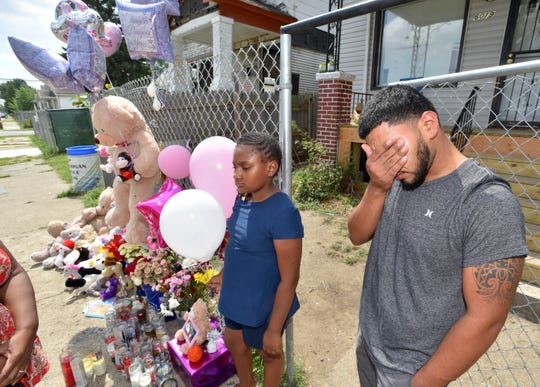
(183, 288)
(181, 282)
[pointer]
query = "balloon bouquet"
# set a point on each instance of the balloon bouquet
(192, 222)
(89, 40)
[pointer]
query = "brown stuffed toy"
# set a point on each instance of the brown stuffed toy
(95, 216)
(121, 127)
(198, 316)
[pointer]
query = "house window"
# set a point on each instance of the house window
(418, 40)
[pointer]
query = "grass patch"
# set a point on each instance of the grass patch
(58, 161)
(91, 198)
(4, 161)
(299, 378)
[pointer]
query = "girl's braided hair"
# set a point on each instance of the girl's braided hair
(264, 144)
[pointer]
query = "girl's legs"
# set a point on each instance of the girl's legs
(241, 355)
(273, 369)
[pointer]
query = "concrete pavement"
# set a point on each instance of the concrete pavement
(14, 141)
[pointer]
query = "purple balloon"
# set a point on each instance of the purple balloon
(146, 30)
(46, 65)
(86, 59)
(172, 6)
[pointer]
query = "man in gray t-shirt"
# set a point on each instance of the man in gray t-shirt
(446, 256)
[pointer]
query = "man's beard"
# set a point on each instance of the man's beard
(423, 156)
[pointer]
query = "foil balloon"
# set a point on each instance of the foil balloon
(146, 30)
(110, 43)
(172, 6)
(63, 8)
(88, 18)
(46, 65)
(151, 208)
(86, 59)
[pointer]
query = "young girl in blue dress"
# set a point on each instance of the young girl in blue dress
(262, 261)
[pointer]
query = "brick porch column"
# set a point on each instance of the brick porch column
(333, 107)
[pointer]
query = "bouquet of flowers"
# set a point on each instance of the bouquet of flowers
(155, 267)
(182, 289)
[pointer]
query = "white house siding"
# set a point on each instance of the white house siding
(303, 61)
(481, 48)
(306, 63)
(354, 57)
(303, 9)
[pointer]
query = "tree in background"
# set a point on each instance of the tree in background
(17, 95)
(24, 99)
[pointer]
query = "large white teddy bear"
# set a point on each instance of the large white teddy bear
(121, 127)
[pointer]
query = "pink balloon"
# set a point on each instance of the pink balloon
(173, 161)
(112, 40)
(211, 170)
(151, 208)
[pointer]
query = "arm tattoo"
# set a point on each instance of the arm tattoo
(498, 280)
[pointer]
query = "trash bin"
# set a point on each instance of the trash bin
(84, 166)
(71, 127)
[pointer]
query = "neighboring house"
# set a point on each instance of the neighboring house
(46, 99)
(434, 37)
(413, 40)
(217, 28)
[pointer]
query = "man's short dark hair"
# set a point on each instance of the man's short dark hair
(394, 105)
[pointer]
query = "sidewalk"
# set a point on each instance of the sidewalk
(11, 145)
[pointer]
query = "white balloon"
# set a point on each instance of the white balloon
(193, 224)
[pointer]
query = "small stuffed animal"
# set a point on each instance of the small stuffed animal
(126, 286)
(104, 152)
(54, 228)
(121, 127)
(58, 260)
(198, 314)
(125, 168)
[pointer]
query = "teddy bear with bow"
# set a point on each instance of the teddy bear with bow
(122, 128)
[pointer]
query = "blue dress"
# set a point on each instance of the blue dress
(251, 274)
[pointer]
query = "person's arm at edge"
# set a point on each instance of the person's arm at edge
(289, 255)
(489, 291)
(17, 294)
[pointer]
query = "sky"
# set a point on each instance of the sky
(29, 20)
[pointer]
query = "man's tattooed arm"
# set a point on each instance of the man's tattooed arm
(497, 281)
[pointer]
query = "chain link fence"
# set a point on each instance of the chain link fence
(493, 121)
(194, 104)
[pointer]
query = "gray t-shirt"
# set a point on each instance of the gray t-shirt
(412, 290)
